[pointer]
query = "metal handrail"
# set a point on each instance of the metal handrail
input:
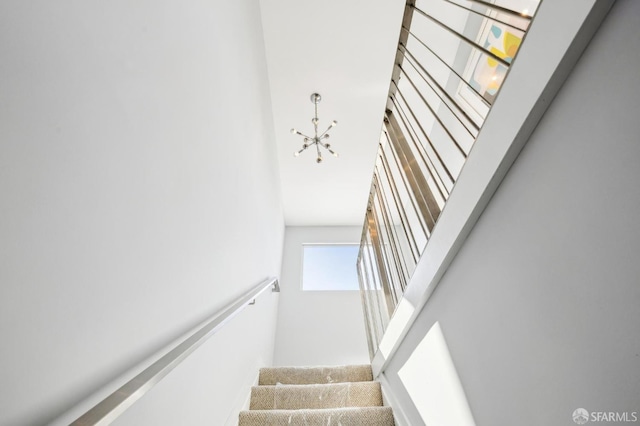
(115, 404)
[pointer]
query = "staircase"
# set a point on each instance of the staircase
(327, 396)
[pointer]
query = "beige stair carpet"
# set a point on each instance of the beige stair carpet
(364, 416)
(311, 375)
(327, 396)
(335, 395)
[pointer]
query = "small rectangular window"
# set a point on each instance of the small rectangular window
(330, 267)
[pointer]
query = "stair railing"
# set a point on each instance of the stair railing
(452, 59)
(107, 410)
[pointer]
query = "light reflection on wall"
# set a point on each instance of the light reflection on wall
(431, 380)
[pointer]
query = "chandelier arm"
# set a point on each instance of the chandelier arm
(325, 132)
(326, 146)
(303, 135)
(300, 152)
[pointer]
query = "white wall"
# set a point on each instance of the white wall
(213, 384)
(319, 327)
(139, 190)
(540, 309)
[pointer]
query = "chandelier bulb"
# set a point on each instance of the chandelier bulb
(293, 131)
(319, 160)
(296, 154)
(334, 123)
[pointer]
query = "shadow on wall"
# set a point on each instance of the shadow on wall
(432, 384)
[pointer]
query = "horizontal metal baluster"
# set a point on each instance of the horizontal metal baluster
(419, 185)
(433, 148)
(453, 70)
(384, 308)
(393, 244)
(445, 128)
(412, 196)
(365, 308)
(423, 210)
(423, 183)
(374, 284)
(374, 233)
(502, 9)
(397, 280)
(463, 37)
(403, 214)
(384, 243)
(411, 60)
(369, 284)
(508, 24)
(392, 223)
(444, 193)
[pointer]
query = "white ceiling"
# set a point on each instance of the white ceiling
(344, 50)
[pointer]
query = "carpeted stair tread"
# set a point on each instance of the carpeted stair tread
(315, 396)
(343, 395)
(311, 375)
(362, 416)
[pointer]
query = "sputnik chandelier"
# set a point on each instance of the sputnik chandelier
(316, 140)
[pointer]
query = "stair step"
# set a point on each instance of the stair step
(369, 416)
(314, 375)
(334, 395)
